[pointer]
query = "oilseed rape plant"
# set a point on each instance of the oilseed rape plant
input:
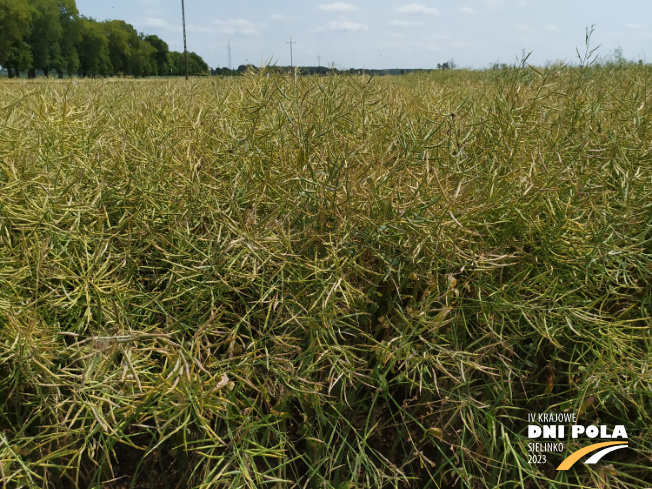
(343, 281)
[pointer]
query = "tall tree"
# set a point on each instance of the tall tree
(45, 34)
(177, 63)
(141, 62)
(51, 35)
(93, 49)
(15, 18)
(123, 43)
(71, 37)
(19, 58)
(196, 65)
(161, 55)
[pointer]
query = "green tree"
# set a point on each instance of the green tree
(142, 62)
(15, 18)
(123, 43)
(160, 57)
(93, 49)
(19, 58)
(45, 34)
(196, 65)
(68, 62)
(177, 63)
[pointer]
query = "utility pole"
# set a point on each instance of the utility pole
(229, 55)
(318, 60)
(291, 43)
(185, 47)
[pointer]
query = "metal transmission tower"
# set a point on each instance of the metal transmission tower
(229, 55)
(318, 60)
(185, 48)
(291, 43)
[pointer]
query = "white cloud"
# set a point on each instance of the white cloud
(416, 8)
(344, 25)
(162, 24)
(238, 26)
(337, 7)
(405, 23)
(467, 10)
(195, 28)
(634, 26)
(157, 23)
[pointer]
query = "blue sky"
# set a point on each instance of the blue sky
(388, 33)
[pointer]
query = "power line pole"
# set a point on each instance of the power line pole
(185, 47)
(291, 43)
(318, 60)
(229, 55)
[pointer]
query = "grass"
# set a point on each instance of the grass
(324, 282)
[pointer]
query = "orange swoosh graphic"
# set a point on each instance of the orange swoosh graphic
(571, 459)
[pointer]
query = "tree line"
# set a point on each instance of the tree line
(323, 70)
(52, 37)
